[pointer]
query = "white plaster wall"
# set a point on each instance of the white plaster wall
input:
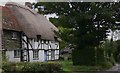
(39, 46)
(10, 56)
(41, 55)
(36, 45)
(46, 46)
(24, 45)
(54, 45)
(29, 46)
(49, 58)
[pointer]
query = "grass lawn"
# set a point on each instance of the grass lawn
(69, 67)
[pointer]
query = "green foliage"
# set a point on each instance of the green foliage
(105, 54)
(65, 34)
(35, 67)
(105, 65)
(68, 67)
(117, 51)
(111, 50)
(90, 21)
(83, 57)
(102, 60)
(4, 58)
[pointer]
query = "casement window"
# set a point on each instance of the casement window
(14, 35)
(17, 53)
(35, 54)
(52, 54)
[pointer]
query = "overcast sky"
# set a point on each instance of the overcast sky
(3, 2)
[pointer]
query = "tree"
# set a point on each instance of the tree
(90, 21)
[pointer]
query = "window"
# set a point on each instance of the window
(53, 55)
(14, 35)
(38, 37)
(35, 54)
(17, 53)
(44, 41)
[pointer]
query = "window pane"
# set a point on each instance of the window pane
(35, 54)
(17, 53)
(53, 54)
(14, 35)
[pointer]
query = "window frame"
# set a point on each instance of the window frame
(14, 35)
(17, 53)
(52, 54)
(35, 54)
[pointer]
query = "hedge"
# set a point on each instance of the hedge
(34, 67)
(83, 56)
(90, 57)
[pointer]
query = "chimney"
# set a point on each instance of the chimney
(28, 4)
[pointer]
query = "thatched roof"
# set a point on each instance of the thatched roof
(32, 23)
(9, 21)
(1, 17)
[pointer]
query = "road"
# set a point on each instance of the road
(115, 68)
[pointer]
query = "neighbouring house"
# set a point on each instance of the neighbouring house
(27, 35)
(114, 35)
(66, 53)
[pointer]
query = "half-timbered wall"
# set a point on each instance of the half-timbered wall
(47, 50)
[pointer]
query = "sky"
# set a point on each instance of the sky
(3, 2)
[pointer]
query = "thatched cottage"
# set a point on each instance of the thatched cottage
(27, 35)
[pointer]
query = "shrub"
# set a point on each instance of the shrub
(83, 56)
(106, 65)
(34, 67)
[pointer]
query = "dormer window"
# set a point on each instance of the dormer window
(55, 38)
(14, 35)
(38, 37)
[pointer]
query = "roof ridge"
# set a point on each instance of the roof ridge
(22, 6)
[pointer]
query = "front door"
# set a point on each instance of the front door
(45, 55)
